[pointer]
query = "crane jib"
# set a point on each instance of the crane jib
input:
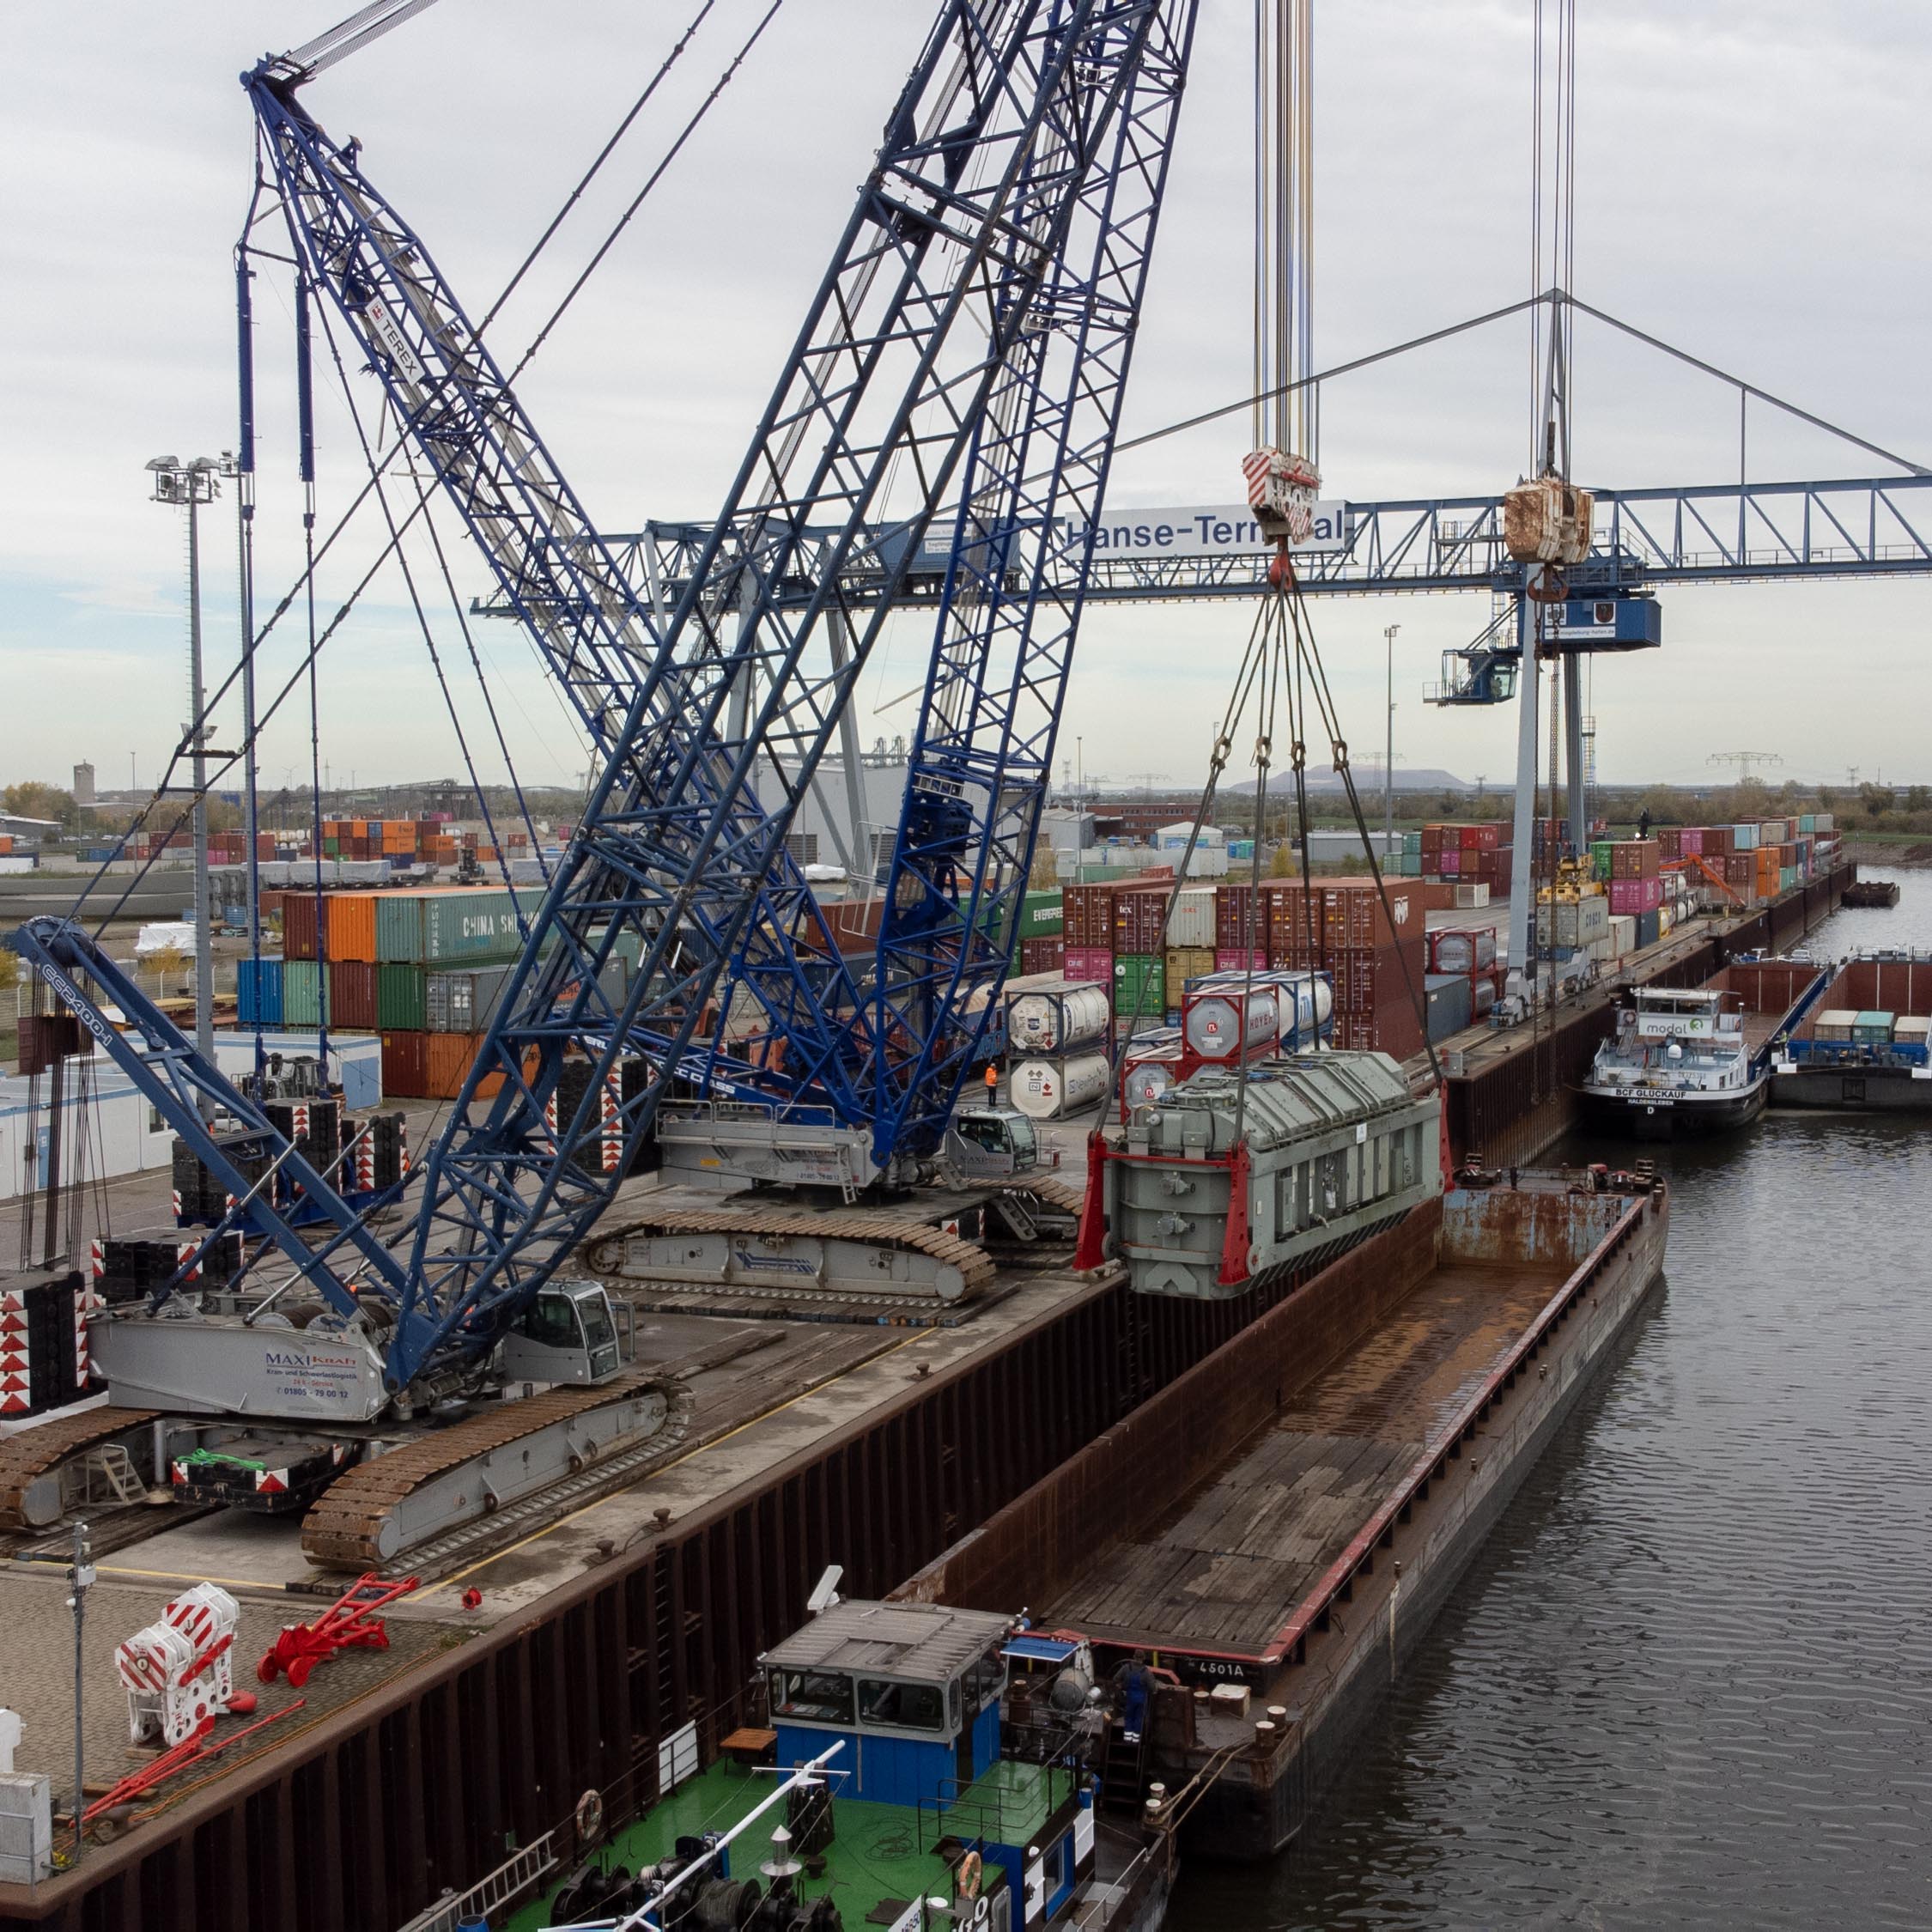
(968, 366)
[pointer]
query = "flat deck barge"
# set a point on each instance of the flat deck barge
(1291, 1513)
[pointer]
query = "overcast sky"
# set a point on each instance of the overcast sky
(1752, 184)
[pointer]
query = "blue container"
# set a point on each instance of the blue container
(1647, 929)
(259, 992)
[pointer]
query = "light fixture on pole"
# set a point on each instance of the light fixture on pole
(1388, 768)
(188, 486)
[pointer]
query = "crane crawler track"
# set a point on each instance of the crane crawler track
(35, 1454)
(354, 1525)
(961, 1269)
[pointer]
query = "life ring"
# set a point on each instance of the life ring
(590, 1817)
(968, 1876)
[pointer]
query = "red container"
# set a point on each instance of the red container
(405, 1065)
(1089, 917)
(1043, 956)
(1634, 859)
(1139, 915)
(352, 995)
(299, 926)
(1635, 896)
(1290, 944)
(1239, 959)
(1352, 914)
(1089, 965)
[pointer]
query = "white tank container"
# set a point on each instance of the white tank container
(1307, 1004)
(1211, 1024)
(1049, 1089)
(1058, 1022)
(1145, 1080)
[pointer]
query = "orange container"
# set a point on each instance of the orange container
(449, 1058)
(351, 928)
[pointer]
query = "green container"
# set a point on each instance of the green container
(1600, 859)
(1140, 985)
(1873, 1029)
(331, 847)
(446, 928)
(1043, 915)
(1412, 841)
(401, 1005)
(302, 993)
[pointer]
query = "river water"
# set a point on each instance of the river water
(1688, 1680)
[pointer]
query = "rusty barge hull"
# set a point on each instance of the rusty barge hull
(1299, 1506)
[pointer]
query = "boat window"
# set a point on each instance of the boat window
(819, 1697)
(904, 1707)
(985, 1681)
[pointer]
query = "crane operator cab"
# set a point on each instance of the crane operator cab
(569, 1333)
(991, 1144)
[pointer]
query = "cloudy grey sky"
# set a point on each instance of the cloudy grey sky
(1752, 180)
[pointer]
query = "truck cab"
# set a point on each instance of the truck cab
(569, 1333)
(991, 1144)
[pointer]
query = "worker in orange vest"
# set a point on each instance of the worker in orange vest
(992, 1083)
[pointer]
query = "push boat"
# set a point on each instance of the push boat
(920, 1767)
(1685, 1062)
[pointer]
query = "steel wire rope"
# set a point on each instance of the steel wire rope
(591, 173)
(482, 687)
(422, 624)
(305, 392)
(1307, 652)
(1246, 675)
(304, 586)
(656, 175)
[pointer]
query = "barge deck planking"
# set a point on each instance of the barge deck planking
(1261, 1531)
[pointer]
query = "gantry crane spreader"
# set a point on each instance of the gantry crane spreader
(964, 358)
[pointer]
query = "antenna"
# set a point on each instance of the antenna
(825, 1591)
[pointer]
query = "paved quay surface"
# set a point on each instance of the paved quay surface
(37, 1675)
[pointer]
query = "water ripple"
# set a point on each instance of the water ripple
(1688, 1682)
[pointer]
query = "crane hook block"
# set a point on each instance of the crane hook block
(1281, 492)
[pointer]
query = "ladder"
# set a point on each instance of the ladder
(1123, 1764)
